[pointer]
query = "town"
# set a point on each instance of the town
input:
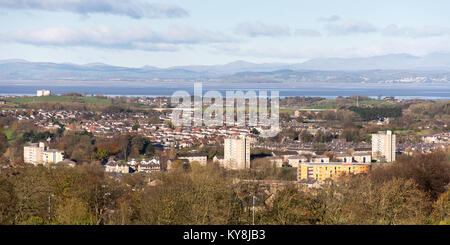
(308, 140)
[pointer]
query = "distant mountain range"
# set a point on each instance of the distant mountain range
(388, 68)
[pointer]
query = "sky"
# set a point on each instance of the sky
(164, 33)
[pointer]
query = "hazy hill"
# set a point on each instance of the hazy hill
(395, 67)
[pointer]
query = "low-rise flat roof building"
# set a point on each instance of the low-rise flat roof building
(346, 158)
(362, 157)
(333, 170)
(294, 161)
(43, 92)
(195, 157)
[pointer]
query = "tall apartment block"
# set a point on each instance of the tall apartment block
(383, 146)
(40, 154)
(236, 153)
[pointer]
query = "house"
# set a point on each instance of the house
(144, 165)
(117, 167)
(148, 166)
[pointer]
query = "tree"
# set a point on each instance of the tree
(170, 125)
(3, 143)
(8, 202)
(254, 131)
(72, 212)
(201, 197)
(135, 127)
(305, 136)
(441, 212)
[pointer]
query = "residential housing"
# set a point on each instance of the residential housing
(134, 165)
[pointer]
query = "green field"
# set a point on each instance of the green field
(375, 102)
(322, 106)
(9, 135)
(403, 132)
(54, 98)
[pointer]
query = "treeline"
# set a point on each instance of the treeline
(414, 190)
(84, 147)
(373, 113)
(81, 106)
(440, 109)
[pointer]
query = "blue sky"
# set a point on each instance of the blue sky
(202, 32)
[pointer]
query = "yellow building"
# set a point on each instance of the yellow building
(323, 171)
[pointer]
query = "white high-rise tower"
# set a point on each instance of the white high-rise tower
(383, 146)
(236, 153)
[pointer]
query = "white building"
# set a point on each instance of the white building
(345, 158)
(200, 158)
(218, 159)
(362, 157)
(320, 159)
(43, 93)
(39, 154)
(294, 161)
(236, 153)
(33, 153)
(52, 156)
(383, 146)
(117, 167)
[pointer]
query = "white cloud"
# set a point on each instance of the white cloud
(307, 32)
(416, 47)
(256, 29)
(107, 37)
(415, 32)
(331, 18)
(350, 27)
(131, 8)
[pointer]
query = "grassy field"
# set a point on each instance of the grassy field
(10, 136)
(406, 131)
(323, 106)
(54, 98)
(375, 102)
